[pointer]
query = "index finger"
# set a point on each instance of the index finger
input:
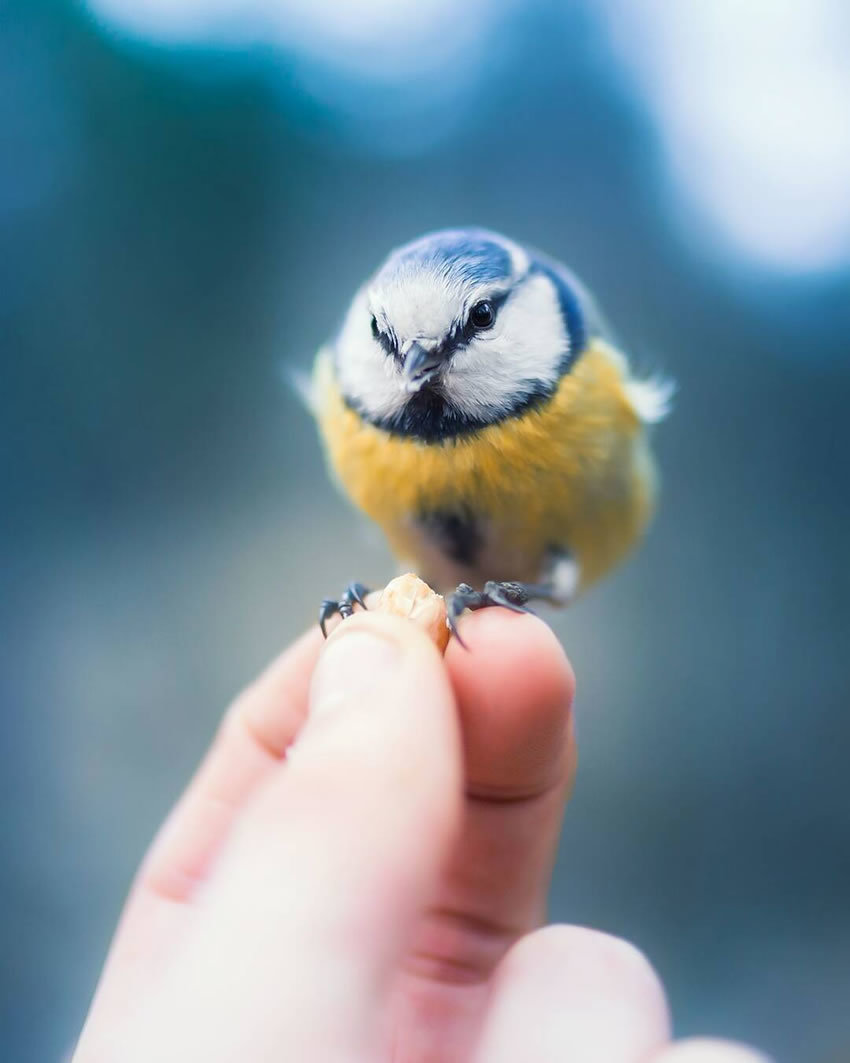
(514, 691)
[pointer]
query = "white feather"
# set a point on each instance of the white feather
(651, 399)
(366, 374)
(302, 384)
(565, 579)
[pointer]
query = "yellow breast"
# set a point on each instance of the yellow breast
(574, 473)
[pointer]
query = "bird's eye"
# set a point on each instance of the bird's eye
(374, 326)
(482, 315)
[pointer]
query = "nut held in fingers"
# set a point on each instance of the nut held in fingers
(410, 597)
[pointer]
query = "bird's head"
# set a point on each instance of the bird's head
(455, 331)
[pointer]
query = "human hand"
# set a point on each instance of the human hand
(358, 870)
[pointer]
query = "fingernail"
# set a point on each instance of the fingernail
(350, 667)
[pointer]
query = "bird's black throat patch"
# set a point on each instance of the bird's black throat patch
(455, 532)
(431, 417)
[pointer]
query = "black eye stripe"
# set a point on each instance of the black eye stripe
(462, 331)
(387, 341)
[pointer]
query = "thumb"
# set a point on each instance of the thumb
(317, 896)
(373, 789)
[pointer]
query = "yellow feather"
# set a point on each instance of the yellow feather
(575, 472)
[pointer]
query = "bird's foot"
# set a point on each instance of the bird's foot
(513, 596)
(354, 594)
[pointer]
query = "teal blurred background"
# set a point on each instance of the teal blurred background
(190, 192)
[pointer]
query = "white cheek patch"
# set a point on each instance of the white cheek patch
(525, 348)
(366, 373)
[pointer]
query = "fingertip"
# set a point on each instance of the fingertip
(568, 992)
(514, 686)
(380, 743)
(516, 653)
(407, 633)
(599, 963)
(710, 1050)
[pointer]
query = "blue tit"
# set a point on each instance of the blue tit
(474, 405)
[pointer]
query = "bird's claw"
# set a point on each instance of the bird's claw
(354, 594)
(513, 596)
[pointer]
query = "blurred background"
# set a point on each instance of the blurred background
(190, 192)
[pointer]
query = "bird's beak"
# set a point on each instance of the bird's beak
(418, 365)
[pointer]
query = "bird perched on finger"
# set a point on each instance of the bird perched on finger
(474, 405)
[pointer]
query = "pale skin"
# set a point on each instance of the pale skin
(358, 872)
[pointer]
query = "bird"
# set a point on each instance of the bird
(475, 405)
